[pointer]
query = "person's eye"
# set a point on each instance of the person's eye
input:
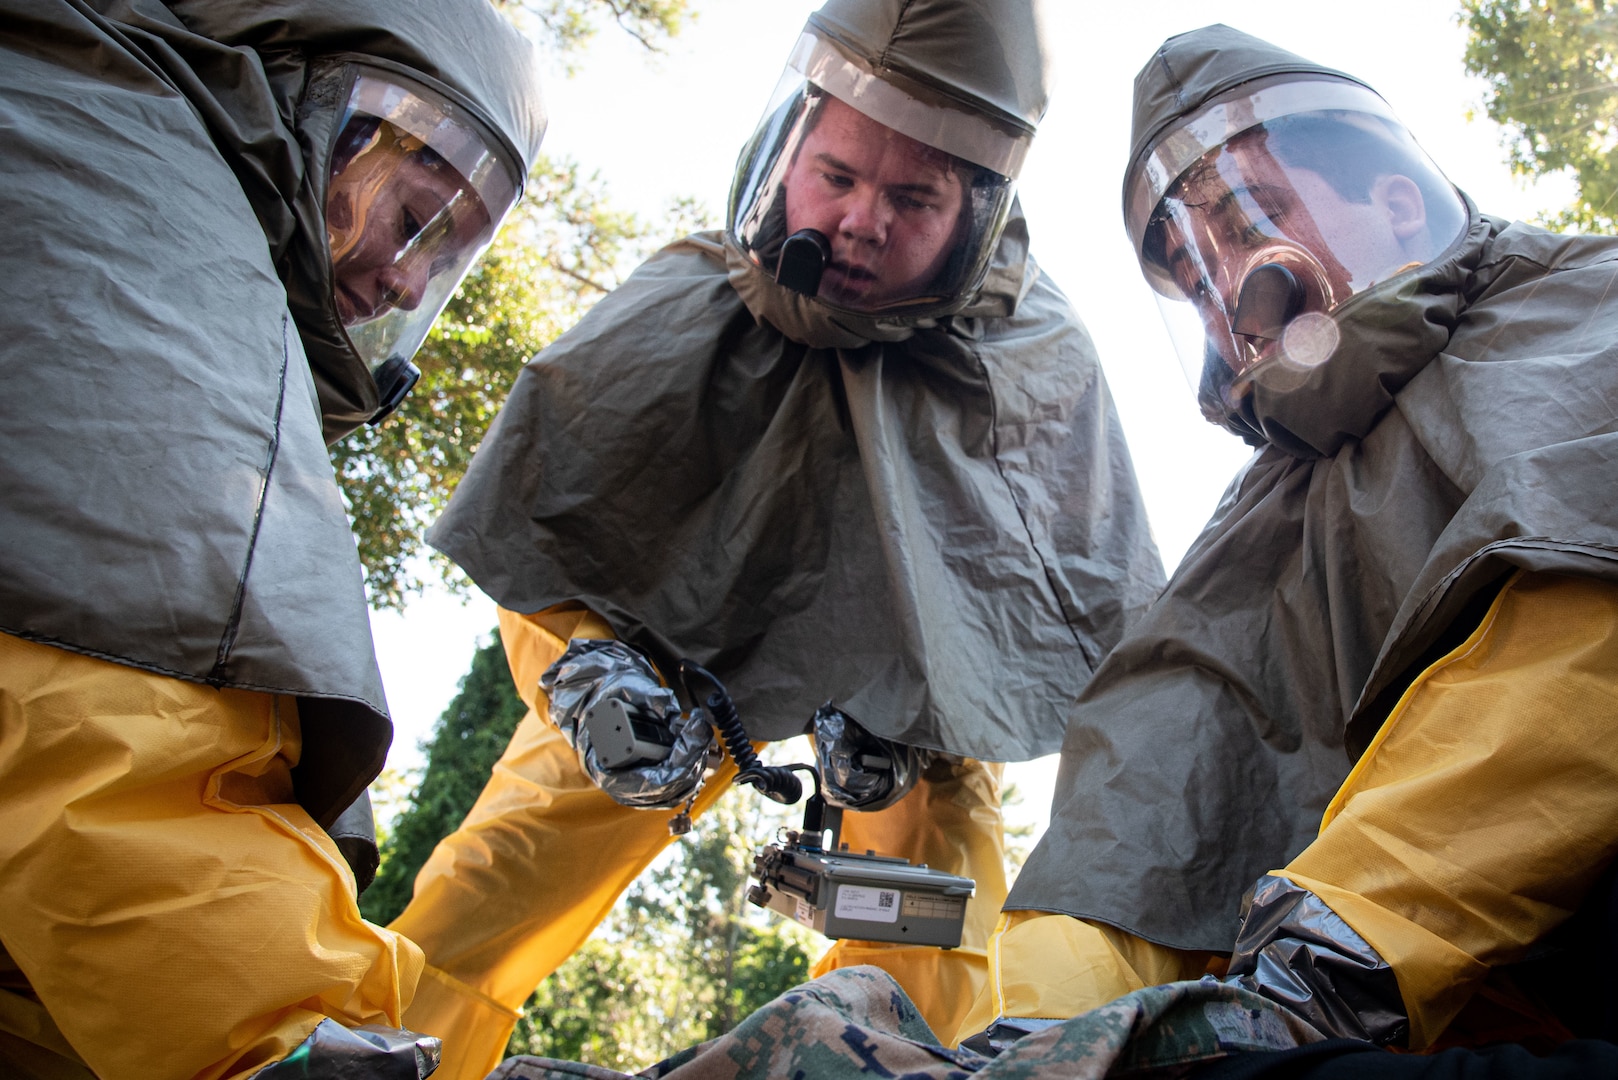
(1272, 212)
(837, 180)
(1196, 286)
(910, 202)
(1191, 283)
(410, 225)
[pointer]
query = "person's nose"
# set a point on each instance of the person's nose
(403, 283)
(866, 217)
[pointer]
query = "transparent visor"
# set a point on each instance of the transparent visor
(866, 198)
(1268, 211)
(416, 193)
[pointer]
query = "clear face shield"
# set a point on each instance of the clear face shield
(417, 189)
(867, 198)
(1258, 217)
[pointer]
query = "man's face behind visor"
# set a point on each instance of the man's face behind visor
(871, 200)
(397, 215)
(1262, 235)
(892, 208)
(1265, 250)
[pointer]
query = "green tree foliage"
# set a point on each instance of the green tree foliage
(1018, 838)
(468, 739)
(1553, 84)
(682, 959)
(569, 24)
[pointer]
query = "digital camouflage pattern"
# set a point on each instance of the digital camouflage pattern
(856, 1022)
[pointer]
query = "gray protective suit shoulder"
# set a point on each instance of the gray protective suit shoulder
(1467, 426)
(938, 528)
(165, 495)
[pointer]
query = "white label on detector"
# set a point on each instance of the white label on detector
(804, 913)
(866, 904)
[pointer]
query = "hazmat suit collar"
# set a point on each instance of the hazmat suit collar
(1388, 334)
(799, 318)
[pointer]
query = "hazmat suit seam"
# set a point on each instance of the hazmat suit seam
(1378, 681)
(125, 34)
(472, 992)
(233, 624)
(1606, 294)
(1501, 267)
(1051, 579)
(898, 23)
(183, 676)
(1384, 731)
(1173, 79)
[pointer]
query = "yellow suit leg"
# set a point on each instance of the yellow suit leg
(1488, 802)
(1473, 825)
(535, 867)
(950, 821)
(171, 909)
(1051, 967)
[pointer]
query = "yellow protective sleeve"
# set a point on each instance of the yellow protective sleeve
(166, 907)
(1488, 802)
(538, 863)
(1052, 967)
(951, 820)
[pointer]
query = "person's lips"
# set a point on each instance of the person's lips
(847, 279)
(351, 307)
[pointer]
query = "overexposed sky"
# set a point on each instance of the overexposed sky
(657, 127)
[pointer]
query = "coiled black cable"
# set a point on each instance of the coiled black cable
(775, 781)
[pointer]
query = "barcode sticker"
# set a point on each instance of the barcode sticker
(804, 913)
(866, 904)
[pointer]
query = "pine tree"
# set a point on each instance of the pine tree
(468, 739)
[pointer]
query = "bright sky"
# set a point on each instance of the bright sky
(657, 127)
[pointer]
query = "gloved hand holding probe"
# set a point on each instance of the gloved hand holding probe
(630, 734)
(859, 770)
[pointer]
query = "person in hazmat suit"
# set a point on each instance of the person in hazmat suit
(1380, 685)
(226, 229)
(855, 448)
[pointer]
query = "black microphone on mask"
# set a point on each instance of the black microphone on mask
(804, 256)
(394, 377)
(1271, 297)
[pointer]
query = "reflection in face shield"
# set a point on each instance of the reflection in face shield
(1260, 215)
(890, 206)
(1242, 226)
(416, 187)
(397, 215)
